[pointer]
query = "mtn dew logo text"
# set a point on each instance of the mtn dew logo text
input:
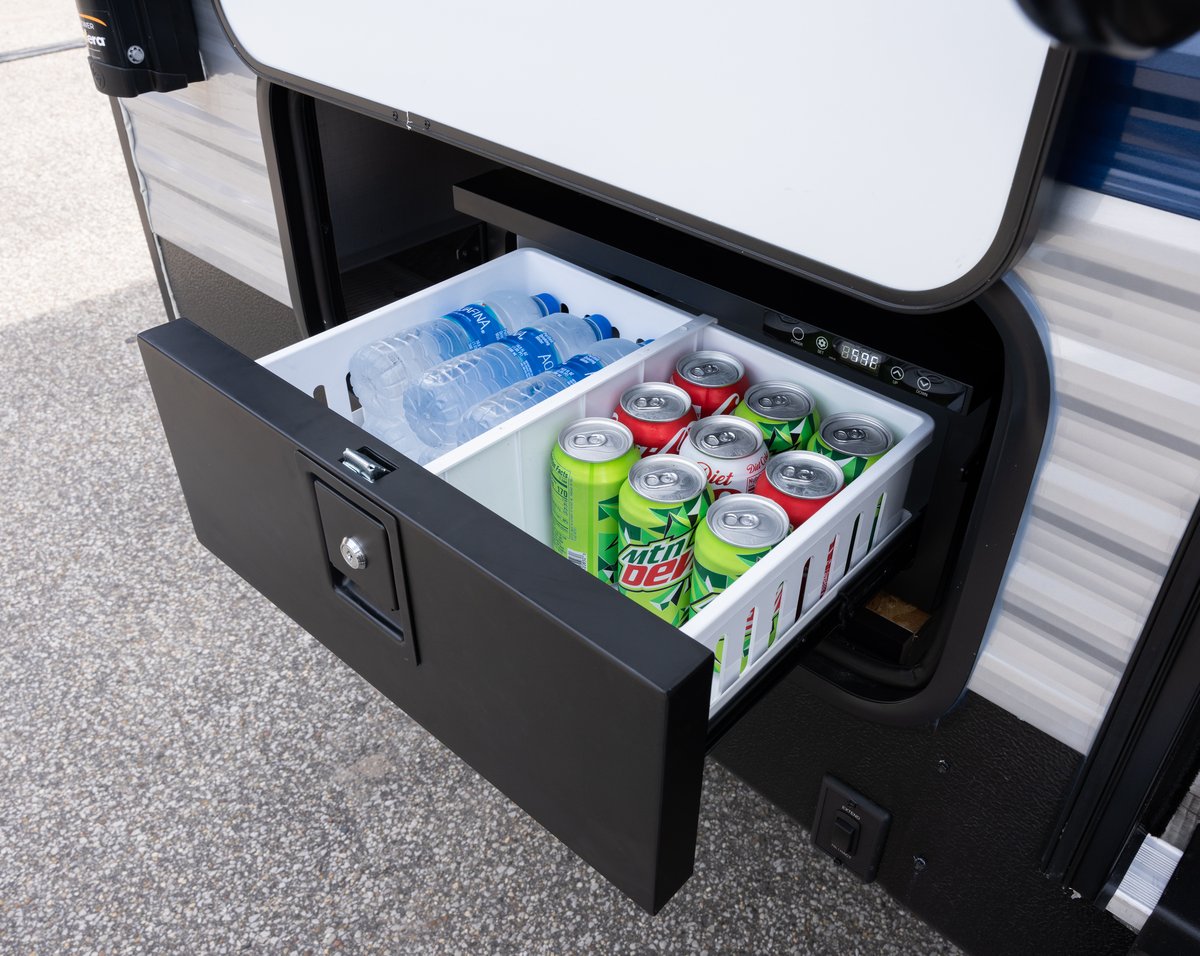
(657, 565)
(661, 505)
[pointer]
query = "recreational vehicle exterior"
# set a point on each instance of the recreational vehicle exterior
(972, 672)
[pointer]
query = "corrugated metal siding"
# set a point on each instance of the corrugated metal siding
(1119, 286)
(1134, 132)
(200, 155)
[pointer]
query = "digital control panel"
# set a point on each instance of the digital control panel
(890, 369)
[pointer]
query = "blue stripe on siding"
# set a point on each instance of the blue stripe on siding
(1135, 131)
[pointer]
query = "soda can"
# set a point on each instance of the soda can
(658, 414)
(852, 440)
(661, 504)
(729, 449)
(800, 482)
(784, 412)
(716, 381)
(737, 532)
(588, 466)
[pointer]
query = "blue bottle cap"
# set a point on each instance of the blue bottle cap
(602, 326)
(547, 303)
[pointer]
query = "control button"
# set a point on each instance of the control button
(776, 318)
(843, 836)
(822, 343)
(897, 373)
(797, 334)
(924, 384)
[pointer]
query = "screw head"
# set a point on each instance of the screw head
(353, 553)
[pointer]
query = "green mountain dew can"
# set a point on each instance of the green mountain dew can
(853, 441)
(784, 412)
(661, 504)
(588, 466)
(738, 531)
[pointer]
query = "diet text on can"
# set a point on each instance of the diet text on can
(729, 449)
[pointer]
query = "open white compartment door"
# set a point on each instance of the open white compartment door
(887, 148)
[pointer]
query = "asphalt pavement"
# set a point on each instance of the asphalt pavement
(186, 771)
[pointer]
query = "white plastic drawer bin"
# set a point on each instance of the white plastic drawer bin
(507, 469)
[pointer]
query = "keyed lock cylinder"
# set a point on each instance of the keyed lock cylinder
(353, 553)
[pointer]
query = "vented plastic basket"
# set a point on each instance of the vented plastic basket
(507, 469)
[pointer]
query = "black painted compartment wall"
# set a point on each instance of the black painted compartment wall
(239, 315)
(974, 798)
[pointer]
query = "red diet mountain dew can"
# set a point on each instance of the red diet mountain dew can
(658, 414)
(716, 381)
(661, 504)
(784, 412)
(588, 466)
(800, 482)
(852, 440)
(729, 449)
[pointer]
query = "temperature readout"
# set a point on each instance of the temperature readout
(854, 354)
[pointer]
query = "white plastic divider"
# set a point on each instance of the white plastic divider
(507, 468)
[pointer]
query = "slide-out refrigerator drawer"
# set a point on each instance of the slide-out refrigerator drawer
(586, 710)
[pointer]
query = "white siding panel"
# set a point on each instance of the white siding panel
(1118, 285)
(199, 153)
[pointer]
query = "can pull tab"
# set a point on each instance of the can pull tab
(364, 464)
(739, 519)
(719, 438)
(665, 479)
(792, 473)
(850, 434)
(704, 370)
(774, 401)
(652, 401)
(589, 440)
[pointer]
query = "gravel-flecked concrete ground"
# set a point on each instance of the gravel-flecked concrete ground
(187, 771)
(182, 770)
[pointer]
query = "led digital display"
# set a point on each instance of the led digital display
(854, 354)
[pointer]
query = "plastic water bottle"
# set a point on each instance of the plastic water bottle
(437, 401)
(516, 398)
(382, 370)
(397, 433)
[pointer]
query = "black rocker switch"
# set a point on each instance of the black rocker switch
(850, 828)
(844, 835)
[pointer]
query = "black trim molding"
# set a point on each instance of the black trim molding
(1146, 747)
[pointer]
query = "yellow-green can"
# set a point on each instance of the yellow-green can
(588, 466)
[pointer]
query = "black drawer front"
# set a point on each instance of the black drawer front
(587, 712)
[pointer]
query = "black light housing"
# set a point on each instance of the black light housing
(139, 46)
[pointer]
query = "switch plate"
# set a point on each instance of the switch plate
(850, 828)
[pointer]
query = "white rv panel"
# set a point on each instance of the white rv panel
(1118, 285)
(199, 154)
(877, 138)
